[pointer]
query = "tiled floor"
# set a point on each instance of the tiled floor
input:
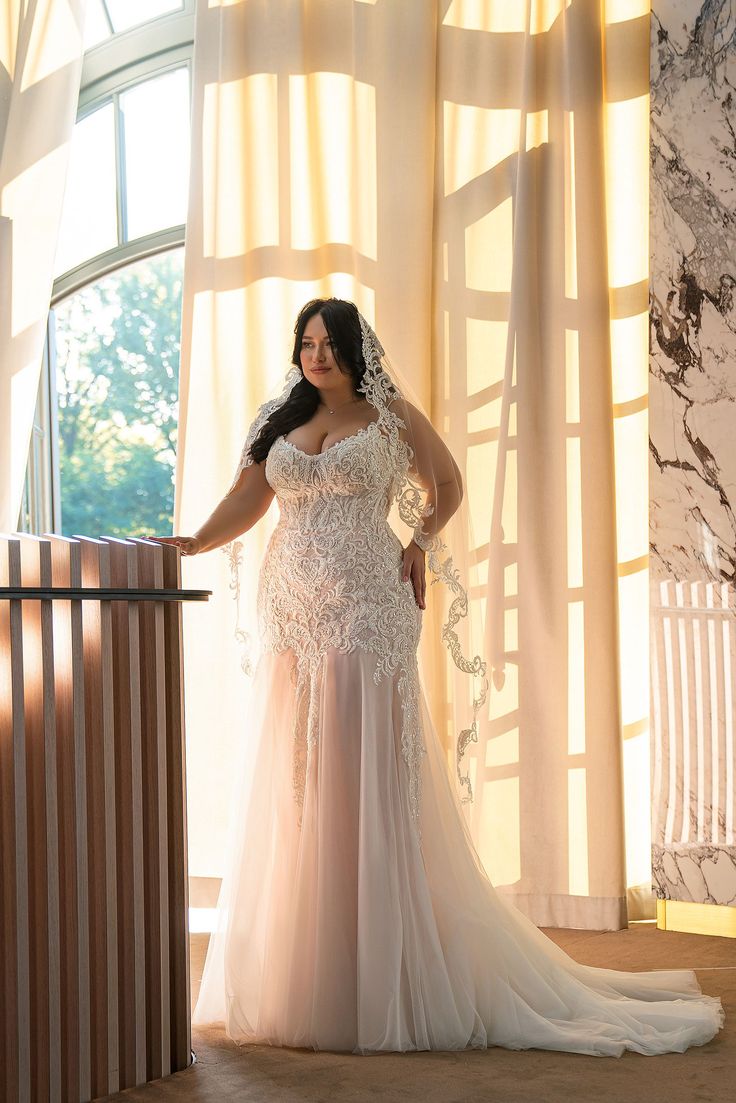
(262, 1074)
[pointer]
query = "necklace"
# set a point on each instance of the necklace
(332, 411)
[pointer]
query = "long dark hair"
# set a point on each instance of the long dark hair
(342, 323)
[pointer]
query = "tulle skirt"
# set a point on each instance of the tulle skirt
(339, 930)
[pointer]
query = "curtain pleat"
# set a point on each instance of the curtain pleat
(41, 51)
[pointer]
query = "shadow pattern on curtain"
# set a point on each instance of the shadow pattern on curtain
(474, 176)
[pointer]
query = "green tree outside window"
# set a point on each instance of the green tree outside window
(117, 344)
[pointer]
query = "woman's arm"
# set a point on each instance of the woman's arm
(238, 511)
(433, 467)
(243, 505)
(435, 470)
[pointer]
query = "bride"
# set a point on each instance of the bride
(355, 914)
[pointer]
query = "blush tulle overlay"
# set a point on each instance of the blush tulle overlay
(346, 922)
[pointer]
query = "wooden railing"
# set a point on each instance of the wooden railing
(94, 964)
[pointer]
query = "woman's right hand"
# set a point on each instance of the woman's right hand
(187, 545)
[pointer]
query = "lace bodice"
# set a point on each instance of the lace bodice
(332, 571)
(331, 575)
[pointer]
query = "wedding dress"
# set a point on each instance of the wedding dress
(355, 913)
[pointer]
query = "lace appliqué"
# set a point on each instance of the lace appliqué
(234, 552)
(442, 567)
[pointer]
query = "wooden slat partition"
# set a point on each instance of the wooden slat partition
(178, 886)
(94, 963)
(99, 744)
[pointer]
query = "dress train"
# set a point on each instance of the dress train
(341, 930)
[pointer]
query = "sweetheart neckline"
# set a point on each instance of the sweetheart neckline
(314, 455)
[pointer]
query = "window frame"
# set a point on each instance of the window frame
(110, 68)
(126, 49)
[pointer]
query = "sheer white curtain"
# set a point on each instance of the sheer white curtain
(474, 176)
(40, 65)
(540, 377)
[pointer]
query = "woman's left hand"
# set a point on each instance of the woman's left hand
(414, 568)
(187, 545)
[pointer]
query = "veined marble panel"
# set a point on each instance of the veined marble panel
(693, 274)
(692, 505)
(703, 874)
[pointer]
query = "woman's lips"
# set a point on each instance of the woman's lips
(319, 371)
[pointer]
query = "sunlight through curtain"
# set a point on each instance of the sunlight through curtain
(486, 206)
(40, 67)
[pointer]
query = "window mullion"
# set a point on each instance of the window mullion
(108, 17)
(121, 197)
(54, 456)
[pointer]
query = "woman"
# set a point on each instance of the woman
(355, 914)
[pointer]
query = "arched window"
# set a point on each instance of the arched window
(102, 452)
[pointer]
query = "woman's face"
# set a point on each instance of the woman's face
(317, 358)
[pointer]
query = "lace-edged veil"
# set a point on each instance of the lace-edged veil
(427, 484)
